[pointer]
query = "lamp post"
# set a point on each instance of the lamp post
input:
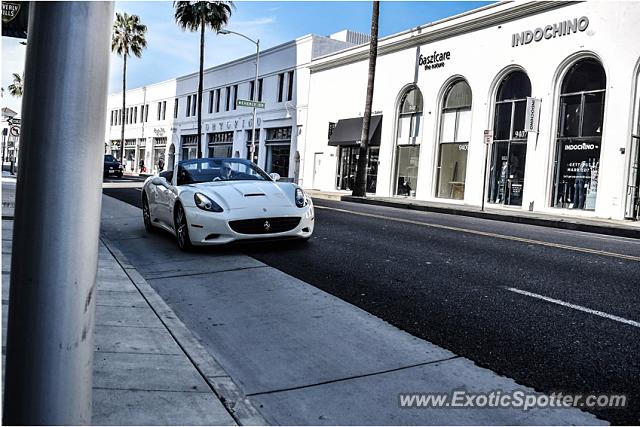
(252, 150)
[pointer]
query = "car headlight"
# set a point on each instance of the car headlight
(205, 203)
(301, 199)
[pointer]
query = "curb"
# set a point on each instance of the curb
(564, 223)
(220, 382)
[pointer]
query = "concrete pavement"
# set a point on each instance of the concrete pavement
(298, 354)
(141, 376)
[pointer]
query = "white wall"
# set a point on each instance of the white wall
(480, 57)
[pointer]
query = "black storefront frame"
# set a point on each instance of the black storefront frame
(575, 140)
(508, 182)
(353, 150)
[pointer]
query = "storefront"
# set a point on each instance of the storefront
(130, 155)
(159, 149)
(141, 164)
(278, 146)
(509, 148)
(346, 136)
(220, 144)
(189, 144)
(521, 105)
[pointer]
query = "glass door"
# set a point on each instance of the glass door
(632, 209)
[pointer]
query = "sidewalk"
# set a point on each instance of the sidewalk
(300, 355)
(142, 376)
(599, 226)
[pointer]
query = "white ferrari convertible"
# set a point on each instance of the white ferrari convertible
(215, 201)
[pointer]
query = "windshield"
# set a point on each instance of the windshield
(212, 170)
(109, 158)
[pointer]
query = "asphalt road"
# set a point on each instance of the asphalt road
(555, 310)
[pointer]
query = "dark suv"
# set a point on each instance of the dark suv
(112, 166)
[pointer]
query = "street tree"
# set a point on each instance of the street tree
(129, 36)
(360, 186)
(17, 87)
(197, 15)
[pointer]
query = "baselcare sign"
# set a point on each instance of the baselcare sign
(436, 60)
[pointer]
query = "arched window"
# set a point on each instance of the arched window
(455, 132)
(408, 143)
(580, 119)
(509, 149)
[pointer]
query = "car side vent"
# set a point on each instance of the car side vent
(254, 194)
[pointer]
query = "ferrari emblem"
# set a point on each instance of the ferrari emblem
(267, 226)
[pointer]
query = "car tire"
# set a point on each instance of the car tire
(146, 215)
(182, 229)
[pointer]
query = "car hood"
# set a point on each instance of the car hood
(236, 195)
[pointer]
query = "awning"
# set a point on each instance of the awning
(349, 131)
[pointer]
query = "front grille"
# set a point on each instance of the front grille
(264, 225)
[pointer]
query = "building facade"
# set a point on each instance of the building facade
(161, 118)
(522, 105)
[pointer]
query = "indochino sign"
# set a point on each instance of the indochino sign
(547, 32)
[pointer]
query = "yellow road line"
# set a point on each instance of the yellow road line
(487, 234)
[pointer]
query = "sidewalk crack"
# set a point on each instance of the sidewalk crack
(261, 393)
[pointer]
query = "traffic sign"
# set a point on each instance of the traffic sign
(247, 103)
(15, 130)
(14, 121)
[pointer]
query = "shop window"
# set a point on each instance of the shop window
(578, 142)
(455, 132)
(509, 148)
(348, 166)
(278, 150)
(407, 154)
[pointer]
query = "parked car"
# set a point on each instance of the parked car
(112, 166)
(215, 201)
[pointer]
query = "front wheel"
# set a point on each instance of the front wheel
(182, 229)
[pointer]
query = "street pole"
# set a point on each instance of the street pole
(255, 93)
(57, 215)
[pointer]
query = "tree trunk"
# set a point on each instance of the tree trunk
(123, 115)
(360, 186)
(200, 78)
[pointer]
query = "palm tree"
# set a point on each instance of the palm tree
(128, 37)
(360, 187)
(197, 15)
(17, 87)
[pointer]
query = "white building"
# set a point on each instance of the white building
(444, 88)
(161, 118)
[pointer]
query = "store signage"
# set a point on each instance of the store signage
(437, 60)
(560, 29)
(15, 16)
(488, 136)
(247, 103)
(236, 124)
(533, 114)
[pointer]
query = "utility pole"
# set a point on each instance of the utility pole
(57, 215)
(255, 98)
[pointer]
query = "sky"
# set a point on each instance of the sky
(172, 52)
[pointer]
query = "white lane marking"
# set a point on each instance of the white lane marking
(488, 234)
(577, 307)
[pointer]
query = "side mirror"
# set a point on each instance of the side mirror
(159, 181)
(275, 176)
